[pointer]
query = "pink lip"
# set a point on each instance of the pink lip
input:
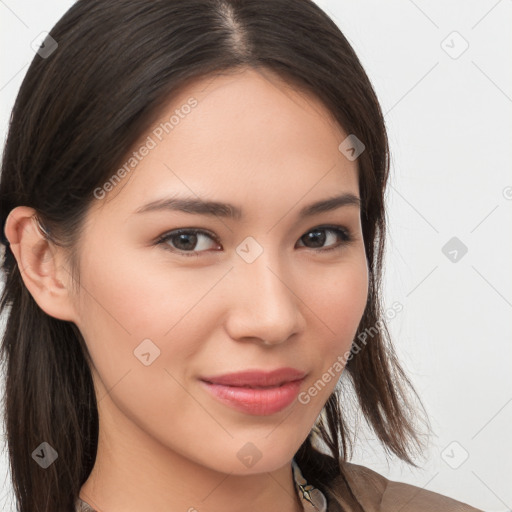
(256, 392)
(259, 378)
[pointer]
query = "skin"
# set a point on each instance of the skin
(165, 443)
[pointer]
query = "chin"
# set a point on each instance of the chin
(246, 457)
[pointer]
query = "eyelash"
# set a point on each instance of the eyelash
(342, 232)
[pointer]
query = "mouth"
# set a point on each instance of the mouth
(256, 392)
(254, 387)
(257, 378)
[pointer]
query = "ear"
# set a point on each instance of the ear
(40, 263)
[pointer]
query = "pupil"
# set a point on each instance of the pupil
(183, 238)
(317, 237)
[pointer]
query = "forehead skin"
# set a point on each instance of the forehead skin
(268, 138)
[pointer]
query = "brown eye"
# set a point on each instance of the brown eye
(193, 242)
(317, 237)
(187, 241)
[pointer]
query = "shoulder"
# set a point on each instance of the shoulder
(378, 494)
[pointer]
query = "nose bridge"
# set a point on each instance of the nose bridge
(268, 277)
(265, 305)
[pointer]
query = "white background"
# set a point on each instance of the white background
(450, 127)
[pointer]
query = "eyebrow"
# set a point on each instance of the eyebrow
(226, 210)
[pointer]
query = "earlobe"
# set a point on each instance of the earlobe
(39, 263)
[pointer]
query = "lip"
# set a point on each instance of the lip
(256, 392)
(257, 378)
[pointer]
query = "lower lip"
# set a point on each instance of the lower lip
(258, 401)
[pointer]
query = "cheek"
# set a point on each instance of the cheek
(339, 302)
(339, 299)
(126, 302)
(143, 330)
(139, 299)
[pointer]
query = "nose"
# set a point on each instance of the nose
(265, 304)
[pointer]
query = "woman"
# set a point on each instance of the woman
(193, 209)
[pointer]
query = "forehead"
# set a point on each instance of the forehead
(246, 135)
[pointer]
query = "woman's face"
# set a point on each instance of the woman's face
(266, 289)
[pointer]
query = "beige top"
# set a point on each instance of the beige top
(374, 492)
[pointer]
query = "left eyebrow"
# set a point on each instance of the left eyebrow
(227, 210)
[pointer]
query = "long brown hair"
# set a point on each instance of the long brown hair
(79, 111)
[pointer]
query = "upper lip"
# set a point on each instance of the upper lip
(257, 377)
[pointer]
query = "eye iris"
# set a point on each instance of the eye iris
(183, 237)
(318, 237)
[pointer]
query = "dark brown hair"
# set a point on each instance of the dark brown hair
(79, 111)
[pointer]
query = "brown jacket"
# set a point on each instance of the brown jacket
(378, 494)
